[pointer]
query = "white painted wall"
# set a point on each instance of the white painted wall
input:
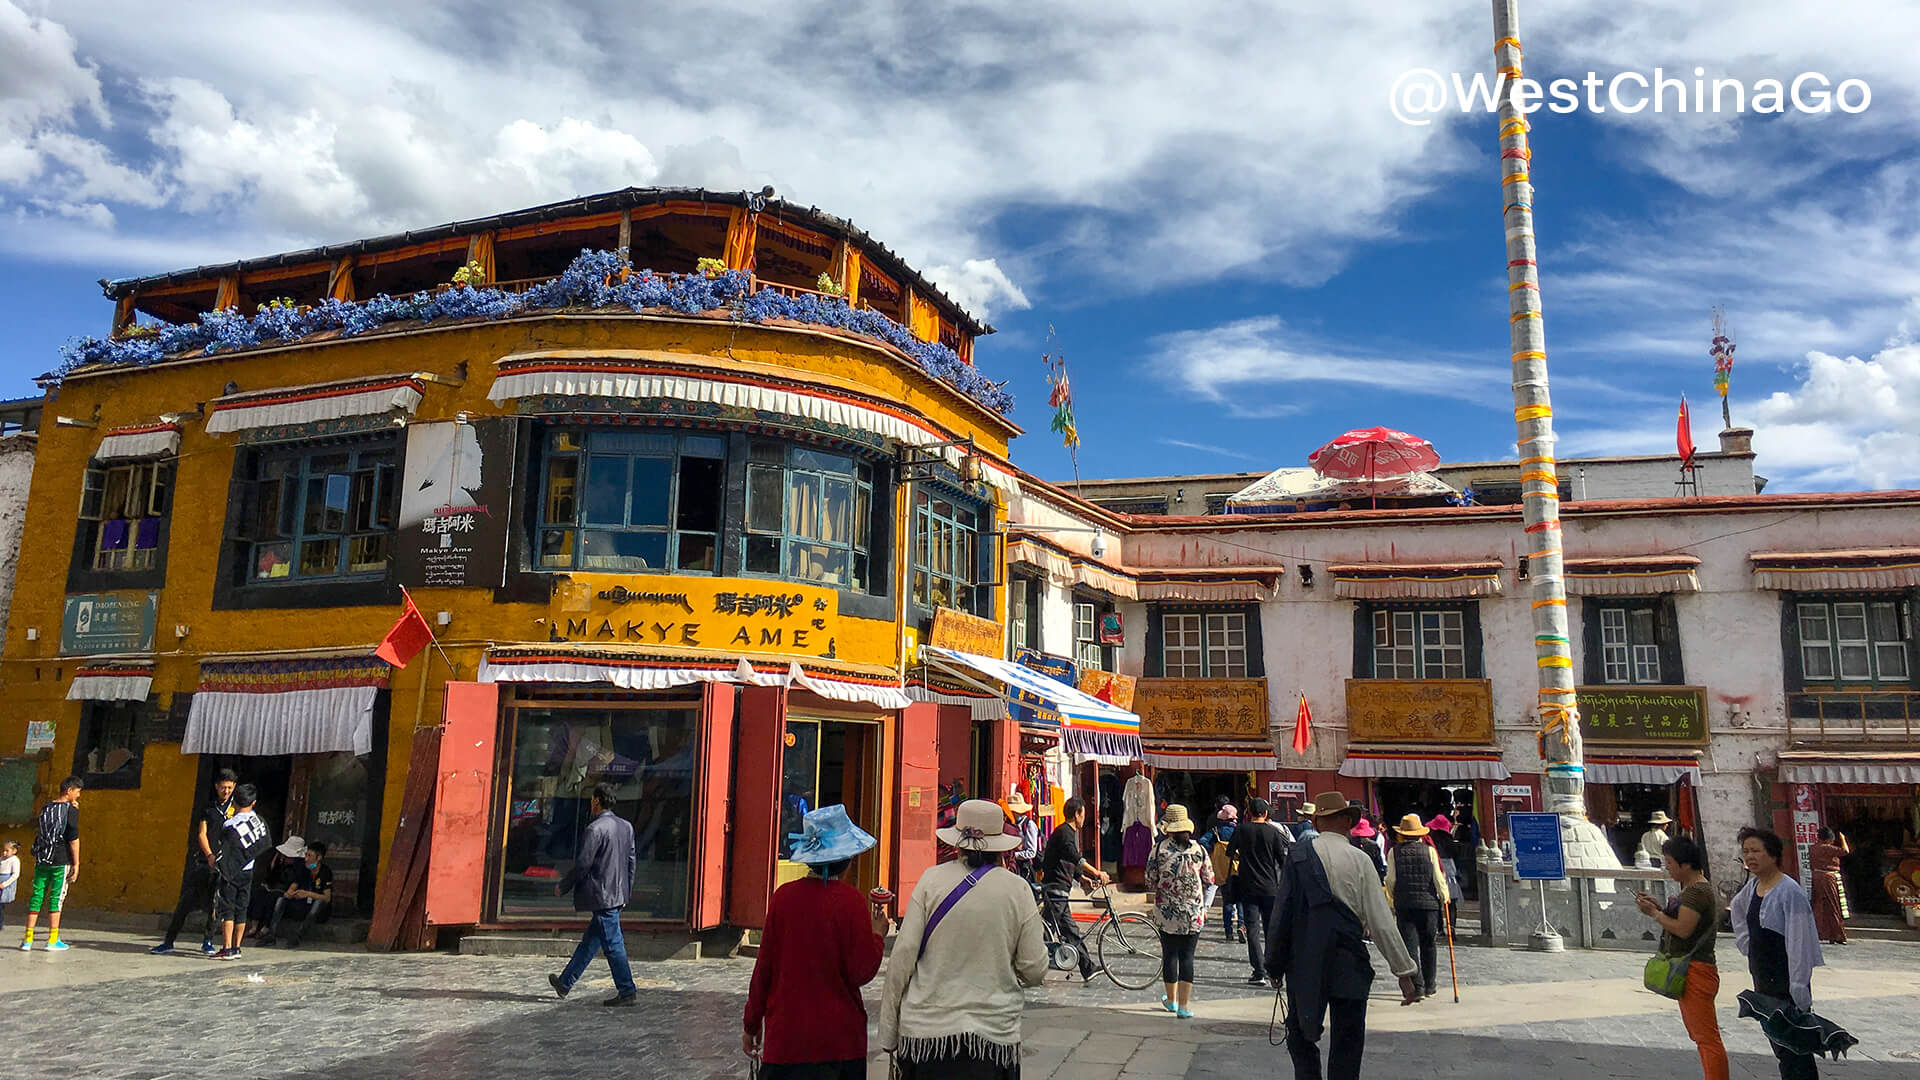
(16, 474)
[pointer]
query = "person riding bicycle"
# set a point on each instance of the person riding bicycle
(1061, 865)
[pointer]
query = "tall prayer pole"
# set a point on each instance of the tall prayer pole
(1533, 416)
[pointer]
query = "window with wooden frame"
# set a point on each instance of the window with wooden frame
(123, 506)
(108, 750)
(1419, 643)
(321, 511)
(946, 553)
(809, 515)
(1023, 614)
(1854, 642)
(632, 501)
(1203, 644)
(1088, 653)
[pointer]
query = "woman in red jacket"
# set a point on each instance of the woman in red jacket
(805, 1019)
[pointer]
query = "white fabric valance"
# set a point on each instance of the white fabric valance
(1065, 569)
(589, 378)
(1485, 766)
(153, 440)
(1206, 591)
(1641, 576)
(1659, 773)
(664, 673)
(288, 722)
(981, 707)
(1222, 756)
(1843, 769)
(1382, 581)
(111, 684)
(310, 404)
(1837, 571)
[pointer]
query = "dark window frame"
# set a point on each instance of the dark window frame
(1025, 593)
(972, 559)
(1363, 633)
(1793, 605)
(234, 587)
(84, 574)
(674, 526)
(95, 719)
(1154, 665)
(1666, 639)
(379, 464)
(1100, 605)
(863, 480)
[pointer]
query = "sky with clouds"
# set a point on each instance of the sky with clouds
(1208, 208)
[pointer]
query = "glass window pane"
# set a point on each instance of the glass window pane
(319, 558)
(652, 491)
(837, 525)
(272, 561)
(820, 461)
(1854, 663)
(556, 548)
(803, 505)
(1893, 660)
(606, 490)
(1884, 622)
(862, 516)
(698, 552)
(763, 554)
(1813, 622)
(764, 489)
(563, 489)
(1850, 622)
(1640, 630)
(367, 554)
(623, 550)
(701, 484)
(1646, 664)
(1816, 661)
(631, 442)
(703, 446)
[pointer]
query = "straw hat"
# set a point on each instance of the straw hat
(1659, 818)
(1307, 810)
(828, 835)
(1410, 826)
(978, 825)
(1018, 803)
(1176, 820)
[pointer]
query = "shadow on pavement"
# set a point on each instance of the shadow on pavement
(453, 995)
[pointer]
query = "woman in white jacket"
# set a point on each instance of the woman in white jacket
(968, 945)
(1773, 928)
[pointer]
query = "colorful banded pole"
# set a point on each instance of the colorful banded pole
(1533, 418)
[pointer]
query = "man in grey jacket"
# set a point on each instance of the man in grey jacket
(602, 880)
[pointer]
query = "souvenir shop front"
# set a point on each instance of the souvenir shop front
(1205, 739)
(1422, 746)
(1643, 746)
(1872, 797)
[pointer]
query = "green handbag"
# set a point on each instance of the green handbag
(1667, 975)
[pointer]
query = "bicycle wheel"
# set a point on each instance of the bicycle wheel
(1129, 950)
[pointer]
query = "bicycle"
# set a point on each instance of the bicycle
(1126, 946)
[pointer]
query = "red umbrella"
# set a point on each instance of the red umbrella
(1371, 453)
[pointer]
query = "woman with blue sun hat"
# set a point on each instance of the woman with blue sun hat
(823, 941)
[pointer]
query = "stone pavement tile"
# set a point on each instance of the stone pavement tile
(1159, 1061)
(1086, 1070)
(1041, 1060)
(1105, 1050)
(1053, 1036)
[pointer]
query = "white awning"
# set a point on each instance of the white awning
(1072, 568)
(1852, 570)
(1221, 756)
(1209, 589)
(982, 706)
(646, 671)
(1862, 767)
(111, 682)
(1650, 575)
(150, 440)
(1092, 728)
(1415, 581)
(250, 410)
(527, 377)
(295, 706)
(1661, 772)
(1418, 765)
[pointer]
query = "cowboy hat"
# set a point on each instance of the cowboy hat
(1307, 810)
(1018, 803)
(1363, 829)
(1659, 818)
(1332, 804)
(978, 825)
(293, 847)
(1176, 820)
(828, 835)
(1410, 826)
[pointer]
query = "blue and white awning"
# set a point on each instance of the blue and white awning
(1091, 727)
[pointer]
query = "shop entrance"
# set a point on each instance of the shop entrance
(1875, 826)
(1199, 791)
(1398, 798)
(333, 798)
(828, 761)
(1622, 811)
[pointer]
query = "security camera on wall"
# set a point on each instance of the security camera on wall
(1099, 545)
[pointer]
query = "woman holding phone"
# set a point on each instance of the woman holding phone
(1691, 922)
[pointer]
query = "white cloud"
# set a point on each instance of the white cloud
(1208, 448)
(1849, 423)
(979, 285)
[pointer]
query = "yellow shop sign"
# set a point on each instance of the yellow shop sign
(726, 615)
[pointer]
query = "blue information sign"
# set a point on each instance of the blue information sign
(1538, 854)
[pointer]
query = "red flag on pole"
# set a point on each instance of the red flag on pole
(1684, 435)
(1302, 727)
(408, 636)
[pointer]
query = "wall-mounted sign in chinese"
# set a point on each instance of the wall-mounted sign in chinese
(965, 633)
(1109, 686)
(1662, 715)
(730, 615)
(1420, 711)
(1202, 708)
(1026, 710)
(118, 622)
(452, 531)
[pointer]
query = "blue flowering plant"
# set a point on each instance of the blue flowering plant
(596, 280)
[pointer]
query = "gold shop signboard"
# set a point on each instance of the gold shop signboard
(1420, 711)
(1109, 686)
(722, 615)
(965, 633)
(1201, 708)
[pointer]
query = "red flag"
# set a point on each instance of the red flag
(1684, 435)
(408, 636)
(1302, 727)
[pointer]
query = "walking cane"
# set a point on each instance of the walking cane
(1451, 965)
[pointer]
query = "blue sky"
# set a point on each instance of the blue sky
(1239, 249)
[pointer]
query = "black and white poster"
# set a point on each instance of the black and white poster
(454, 491)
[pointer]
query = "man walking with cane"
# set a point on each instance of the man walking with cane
(602, 881)
(1329, 896)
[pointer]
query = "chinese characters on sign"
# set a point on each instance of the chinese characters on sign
(452, 527)
(1666, 715)
(1202, 708)
(714, 614)
(1420, 711)
(1026, 709)
(98, 623)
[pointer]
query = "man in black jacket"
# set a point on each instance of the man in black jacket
(602, 881)
(1258, 848)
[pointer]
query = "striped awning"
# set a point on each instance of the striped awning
(1415, 581)
(648, 670)
(1660, 770)
(1224, 754)
(1205, 586)
(1091, 728)
(1636, 575)
(571, 373)
(117, 681)
(1072, 568)
(292, 706)
(982, 705)
(1424, 764)
(1849, 767)
(1857, 569)
(251, 410)
(141, 441)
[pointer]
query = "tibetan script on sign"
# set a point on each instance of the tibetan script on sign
(1420, 711)
(965, 633)
(1645, 715)
(1202, 708)
(1109, 686)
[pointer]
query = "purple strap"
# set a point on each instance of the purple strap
(946, 904)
